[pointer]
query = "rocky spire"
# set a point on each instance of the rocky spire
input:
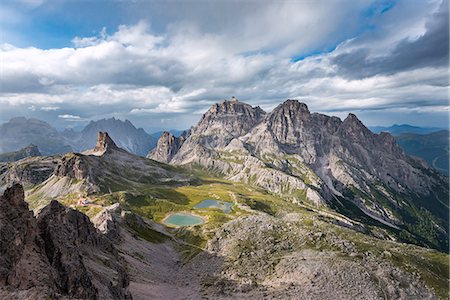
(168, 145)
(104, 142)
(354, 130)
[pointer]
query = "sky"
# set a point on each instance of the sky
(161, 64)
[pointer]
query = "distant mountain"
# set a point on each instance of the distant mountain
(432, 147)
(404, 128)
(31, 150)
(20, 132)
(317, 159)
(126, 135)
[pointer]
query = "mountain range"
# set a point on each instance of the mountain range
(397, 129)
(316, 159)
(20, 132)
(139, 142)
(320, 208)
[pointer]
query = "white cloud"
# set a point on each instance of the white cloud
(49, 108)
(69, 117)
(135, 71)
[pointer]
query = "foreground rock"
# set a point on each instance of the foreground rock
(58, 254)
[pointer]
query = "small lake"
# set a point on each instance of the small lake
(183, 219)
(209, 203)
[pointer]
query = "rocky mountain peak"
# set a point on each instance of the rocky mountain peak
(287, 119)
(104, 142)
(230, 118)
(354, 129)
(292, 111)
(294, 105)
(125, 135)
(167, 146)
(234, 106)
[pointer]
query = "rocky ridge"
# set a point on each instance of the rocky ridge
(30, 150)
(104, 169)
(57, 254)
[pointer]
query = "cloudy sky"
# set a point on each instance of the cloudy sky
(161, 64)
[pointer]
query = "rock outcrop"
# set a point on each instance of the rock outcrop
(58, 254)
(104, 144)
(167, 146)
(31, 170)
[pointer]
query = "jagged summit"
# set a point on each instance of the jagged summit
(167, 147)
(123, 132)
(228, 119)
(354, 129)
(234, 106)
(294, 105)
(104, 142)
(289, 112)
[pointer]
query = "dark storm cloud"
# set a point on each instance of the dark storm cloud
(429, 50)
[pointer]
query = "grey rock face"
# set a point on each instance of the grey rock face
(104, 142)
(31, 170)
(23, 263)
(76, 250)
(58, 254)
(73, 166)
(231, 117)
(167, 146)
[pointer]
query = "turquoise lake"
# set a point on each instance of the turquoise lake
(183, 219)
(209, 203)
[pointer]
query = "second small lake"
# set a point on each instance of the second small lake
(209, 203)
(183, 219)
